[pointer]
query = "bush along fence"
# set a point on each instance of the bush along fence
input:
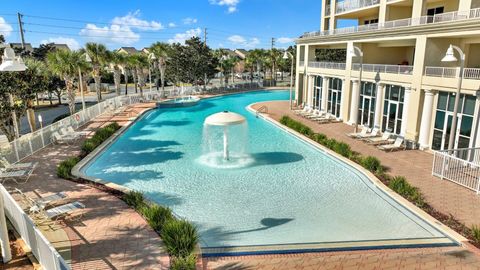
(179, 236)
(398, 184)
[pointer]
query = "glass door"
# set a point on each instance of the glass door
(392, 116)
(367, 112)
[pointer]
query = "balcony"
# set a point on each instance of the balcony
(327, 65)
(378, 68)
(327, 10)
(301, 63)
(449, 72)
(349, 5)
(398, 24)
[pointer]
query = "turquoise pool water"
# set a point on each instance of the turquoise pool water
(291, 193)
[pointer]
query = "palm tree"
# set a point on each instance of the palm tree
(161, 51)
(38, 72)
(65, 64)
(256, 57)
(141, 63)
(118, 61)
(99, 55)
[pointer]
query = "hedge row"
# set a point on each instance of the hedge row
(179, 236)
(398, 184)
(100, 136)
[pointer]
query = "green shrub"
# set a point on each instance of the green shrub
(180, 237)
(372, 164)
(476, 233)
(99, 137)
(320, 138)
(400, 185)
(184, 263)
(343, 149)
(157, 216)
(64, 169)
(135, 199)
(297, 126)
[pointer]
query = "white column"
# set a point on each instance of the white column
(311, 81)
(378, 105)
(354, 102)
(342, 95)
(426, 123)
(325, 83)
(406, 102)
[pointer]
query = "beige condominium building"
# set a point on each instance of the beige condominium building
(405, 87)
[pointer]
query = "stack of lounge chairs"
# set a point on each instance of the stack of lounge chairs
(50, 208)
(17, 172)
(67, 135)
(315, 115)
(384, 142)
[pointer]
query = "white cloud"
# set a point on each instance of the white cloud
(230, 4)
(71, 43)
(284, 40)
(241, 41)
(172, 25)
(132, 20)
(5, 28)
(121, 30)
(181, 37)
(188, 21)
(110, 34)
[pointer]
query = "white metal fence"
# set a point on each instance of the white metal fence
(394, 69)
(328, 65)
(461, 166)
(439, 18)
(452, 72)
(30, 143)
(41, 248)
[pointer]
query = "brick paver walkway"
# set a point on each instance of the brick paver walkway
(416, 166)
(110, 235)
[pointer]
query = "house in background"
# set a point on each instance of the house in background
(18, 46)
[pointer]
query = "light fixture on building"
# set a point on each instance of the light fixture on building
(450, 57)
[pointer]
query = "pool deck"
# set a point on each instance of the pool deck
(110, 235)
(416, 167)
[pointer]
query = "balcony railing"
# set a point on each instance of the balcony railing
(327, 10)
(394, 69)
(439, 18)
(348, 5)
(452, 72)
(327, 65)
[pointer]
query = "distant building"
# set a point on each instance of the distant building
(128, 50)
(242, 53)
(28, 46)
(60, 46)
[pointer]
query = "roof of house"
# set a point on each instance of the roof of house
(28, 46)
(242, 53)
(129, 50)
(60, 46)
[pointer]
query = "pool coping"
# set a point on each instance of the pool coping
(456, 239)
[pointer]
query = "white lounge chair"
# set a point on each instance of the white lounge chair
(61, 211)
(315, 114)
(397, 145)
(16, 166)
(385, 139)
(364, 131)
(70, 130)
(372, 134)
(37, 205)
(67, 139)
(18, 176)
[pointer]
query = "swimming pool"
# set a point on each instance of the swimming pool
(292, 197)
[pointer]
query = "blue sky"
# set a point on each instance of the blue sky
(230, 23)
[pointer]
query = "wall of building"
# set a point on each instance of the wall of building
(373, 54)
(473, 57)
(450, 5)
(398, 12)
(437, 47)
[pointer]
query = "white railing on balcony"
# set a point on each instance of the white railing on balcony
(452, 72)
(348, 5)
(394, 69)
(327, 65)
(439, 18)
(327, 10)
(461, 166)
